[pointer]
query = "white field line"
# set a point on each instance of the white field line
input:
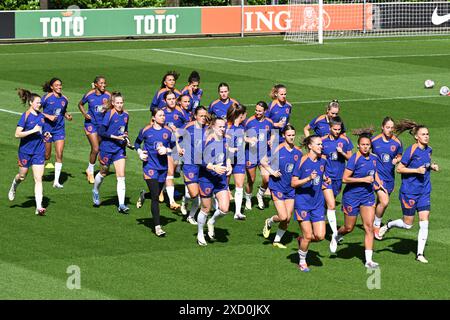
(211, 47)
(293, 103)
(197, 55)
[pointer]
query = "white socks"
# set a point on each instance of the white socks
(377, 222)
(58, 166)
(368, 254)
(98, 181)
(170, 190)
(279, 235)
(422, 236)
(91, 167)
(331, 217)
(38, 194)
(201, 220)
(399, 224)
(261, 191)
(121, 190)
(248, 196)
(217, 214)
(238, 195)
(302, 255)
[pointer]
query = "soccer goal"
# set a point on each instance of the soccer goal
(315, 20)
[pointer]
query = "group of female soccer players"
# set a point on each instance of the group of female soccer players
(213, 144)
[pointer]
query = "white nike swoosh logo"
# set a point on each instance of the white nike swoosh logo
(437, 19)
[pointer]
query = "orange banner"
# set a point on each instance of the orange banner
(261, 19)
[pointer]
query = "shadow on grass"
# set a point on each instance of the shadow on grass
(62, 178)
(31, 203)
(312, 259)
(112, 201)
(148, 222)
(403, 246)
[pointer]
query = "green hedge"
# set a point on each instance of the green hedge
(19, 5)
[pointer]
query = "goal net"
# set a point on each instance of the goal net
(315, 20)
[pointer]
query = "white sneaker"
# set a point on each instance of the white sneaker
(191, 220)
(159, 231)
(240, 216)
(383, 230)
(421, 258)
(260, 201)
(57, 185)
(141, 199)
(333, 244)
(201, 240)
(371, 265)
(11, 194)
(210, 230)
(183, 209)
(248, 204)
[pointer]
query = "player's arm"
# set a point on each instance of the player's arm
(22, 134)
(347, 178)
(83, 110)
(297, 182)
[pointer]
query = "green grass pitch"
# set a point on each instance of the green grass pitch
(120, 257)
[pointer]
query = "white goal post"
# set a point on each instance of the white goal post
(315, 20)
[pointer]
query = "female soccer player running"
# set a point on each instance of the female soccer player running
(388, 148)
(113, 130)
(54, 105)
(31, 148)
(259, 139)
(97, 100)
(219, 107)
(175, 119)
(193, 90)
(158, 145)
(337, 149)
(280, 167)
(167, 83)
(236, 115)
(361, 179)
(191, 149)
(415, 168)
(279, 109)
(307, 180)
(321, 124)
(214, 170)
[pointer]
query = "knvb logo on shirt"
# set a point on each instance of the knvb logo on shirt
(158, 23)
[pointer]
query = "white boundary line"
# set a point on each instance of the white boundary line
(293, 103)
(197, 55)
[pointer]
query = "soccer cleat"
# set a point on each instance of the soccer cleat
(303, 267)
(210, 230)
(333, 244)
(175, 206)
(49, 165)
(240, 216)
(266, 229)
(123, 209)
(260, 201)
(201, 240)
(421, 258)
(191, 220)
(371, 265)
(161, 197)
(279, 245)
(141, 199)
(248, 204)
(339, 238)
(57, 185)
(376, 233)
(383, 229)
(40, 211)
(90, 177)
(11, 194)
(159, 231)
(183, 209)
(95, 198)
